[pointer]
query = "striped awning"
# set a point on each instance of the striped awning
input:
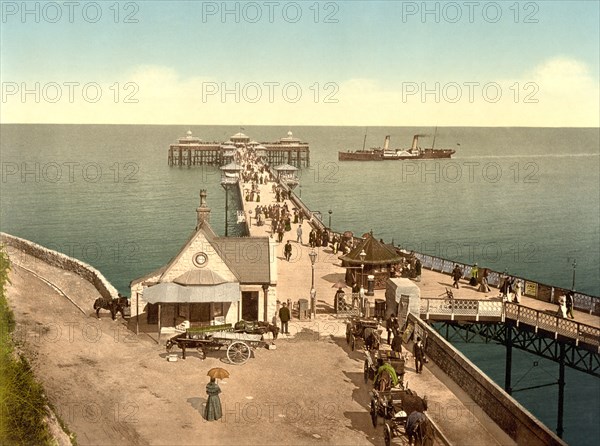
(169, 292)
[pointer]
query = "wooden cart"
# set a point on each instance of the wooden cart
(355, 329)
(395, 429)
(388, 356)
(211, 338)
(395, 404)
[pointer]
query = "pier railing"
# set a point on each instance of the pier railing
(502, 408)
(559, 326)
(485, 310)
(463, 309)
(548, 293)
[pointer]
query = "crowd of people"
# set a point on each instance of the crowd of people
(282, 216)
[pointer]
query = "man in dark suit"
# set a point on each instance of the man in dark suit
(285, 316)
(419, 354)
(287, 250)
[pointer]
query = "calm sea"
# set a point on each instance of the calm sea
(524, 199)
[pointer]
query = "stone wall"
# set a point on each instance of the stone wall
(504, 410)
(61, 261)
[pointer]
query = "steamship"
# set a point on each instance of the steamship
(379, 154)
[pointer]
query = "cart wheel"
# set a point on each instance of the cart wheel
(387, 435)
(238, 352)
(374, 412)
(352, 342)
(366, 371)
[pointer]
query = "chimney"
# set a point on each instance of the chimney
(386, 144)
(203, 210)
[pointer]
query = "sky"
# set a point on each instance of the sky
(399, 63)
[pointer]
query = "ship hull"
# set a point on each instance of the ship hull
(378, 155)
(360, 156)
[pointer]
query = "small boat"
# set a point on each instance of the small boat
(379, 154)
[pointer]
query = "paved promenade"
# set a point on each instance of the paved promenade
(294, 277)
(455, 413)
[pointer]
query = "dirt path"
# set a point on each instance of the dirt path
(112, 387)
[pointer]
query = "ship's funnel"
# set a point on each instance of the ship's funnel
(386, 144)
(415, 142)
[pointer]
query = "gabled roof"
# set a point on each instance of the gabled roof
(208, 232)
(247, 257)
(377, 253)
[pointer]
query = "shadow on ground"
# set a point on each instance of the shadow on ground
(198, 404)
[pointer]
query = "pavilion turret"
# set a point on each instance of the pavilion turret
(380, 260)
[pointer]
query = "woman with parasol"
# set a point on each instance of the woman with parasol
(213, 411)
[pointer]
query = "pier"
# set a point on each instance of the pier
(531, 325)
(310, 389)
(192, 151)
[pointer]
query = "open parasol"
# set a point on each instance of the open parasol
(339, 284)
(218, 373)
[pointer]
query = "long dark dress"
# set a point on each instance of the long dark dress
(213, 412)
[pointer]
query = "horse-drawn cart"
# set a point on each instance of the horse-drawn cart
(212, 338)
(374, 359)
(417, 426)
(365, 329)
(395, 404)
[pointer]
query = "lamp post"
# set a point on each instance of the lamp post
(361, 292)
(330, 212)
(313, 292)
(574, 266)
(226, 208)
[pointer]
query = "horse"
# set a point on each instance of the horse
(273, 329)
(372, 339)
(256, 327)
(385, 381)
(113, 305)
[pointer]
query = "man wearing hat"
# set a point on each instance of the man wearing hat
(284, 315)
(419, 354)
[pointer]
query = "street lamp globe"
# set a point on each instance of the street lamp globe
(313, 256)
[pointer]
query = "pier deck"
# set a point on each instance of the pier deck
(454, 413)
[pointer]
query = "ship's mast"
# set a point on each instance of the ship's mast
(434, 135)
(365, 140)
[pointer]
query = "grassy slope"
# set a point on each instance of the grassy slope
(22, 401)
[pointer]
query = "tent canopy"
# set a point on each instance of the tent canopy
(377, 253)
(173, 293)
